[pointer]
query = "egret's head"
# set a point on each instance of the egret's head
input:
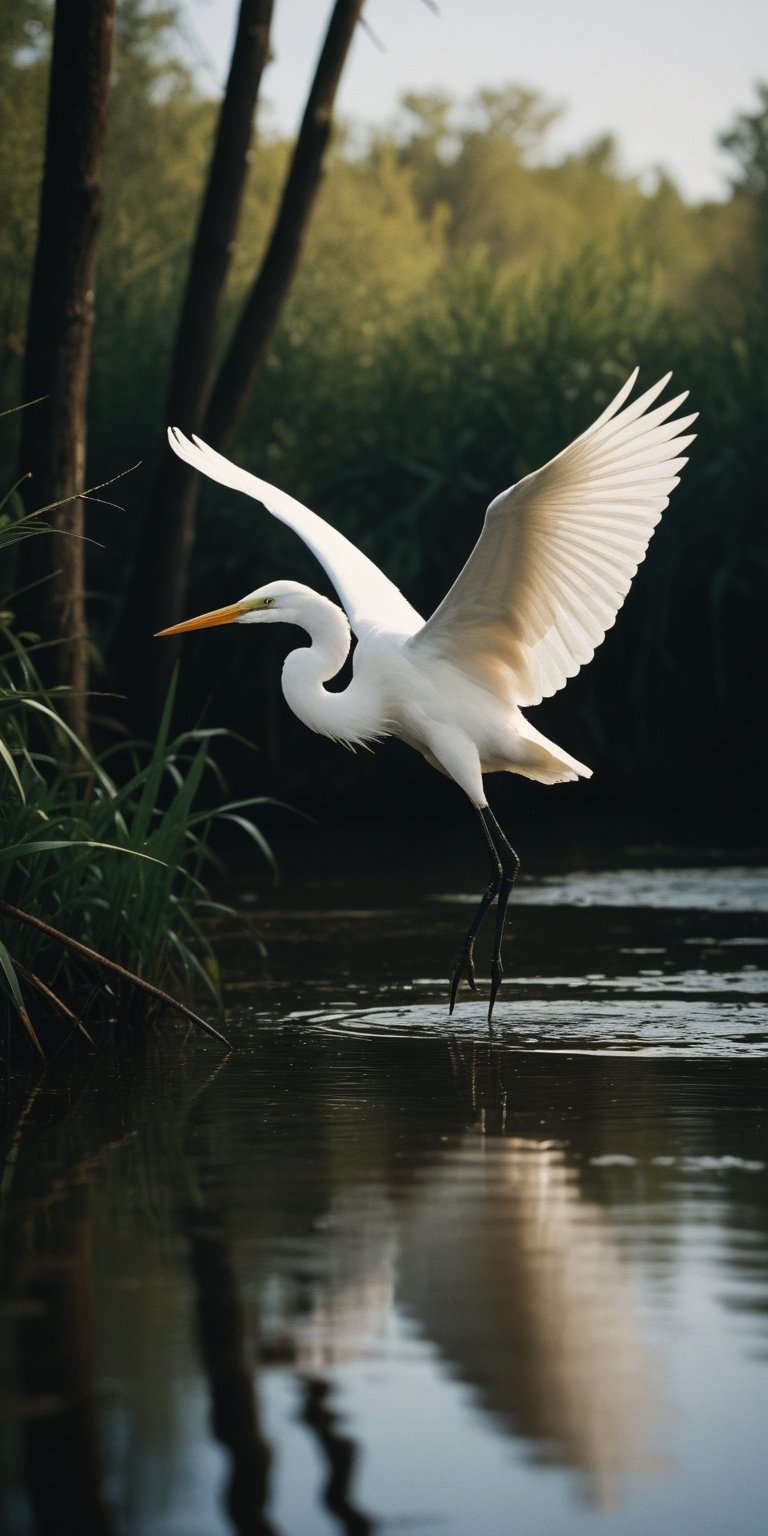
(280, 602)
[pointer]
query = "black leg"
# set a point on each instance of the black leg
(465, 958)
(510, 868)
(504, 867)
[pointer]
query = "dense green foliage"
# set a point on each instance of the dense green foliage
(465, 305)
(112, 850)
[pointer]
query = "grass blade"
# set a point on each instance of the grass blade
(118, 970)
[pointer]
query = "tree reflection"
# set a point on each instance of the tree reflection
(57, 1377)
(234, 1409)
(177, 1245)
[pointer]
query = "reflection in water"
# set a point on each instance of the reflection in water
(57, 1374)
(521, 1284)
(233, 1402)
(214, 1282)
(341, 1453)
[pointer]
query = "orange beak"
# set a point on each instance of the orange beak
(206, 620)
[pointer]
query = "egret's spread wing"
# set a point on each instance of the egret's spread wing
(369, 598)
(558, 552)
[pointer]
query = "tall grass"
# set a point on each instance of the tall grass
(108, 853)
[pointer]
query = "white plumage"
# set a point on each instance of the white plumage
(543, 584)
(558, 552)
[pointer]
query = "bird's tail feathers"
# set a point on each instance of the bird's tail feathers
(543, 761)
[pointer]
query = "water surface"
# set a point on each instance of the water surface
(379, 1270)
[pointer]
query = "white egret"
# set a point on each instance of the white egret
(543, 584)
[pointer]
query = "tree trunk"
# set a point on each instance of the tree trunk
(159, 598)
(263, 307)
(160, 579)
(60, 325)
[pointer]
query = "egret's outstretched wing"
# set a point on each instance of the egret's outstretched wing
(558, 552)
(370, 599)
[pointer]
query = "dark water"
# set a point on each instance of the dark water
(378, 1271)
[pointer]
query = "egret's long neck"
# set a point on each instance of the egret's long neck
(341, 715)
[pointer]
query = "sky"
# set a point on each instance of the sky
(665, 76)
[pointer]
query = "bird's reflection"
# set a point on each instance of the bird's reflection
(534, 1306)
(521, 1284)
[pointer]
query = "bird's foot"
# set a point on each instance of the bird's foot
(497, 972)
(463, 964)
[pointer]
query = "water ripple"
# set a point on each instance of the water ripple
(667, 1026)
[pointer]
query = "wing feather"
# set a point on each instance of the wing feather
(558, 552)
(370, 599)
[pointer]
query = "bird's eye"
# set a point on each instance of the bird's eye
(269, 602)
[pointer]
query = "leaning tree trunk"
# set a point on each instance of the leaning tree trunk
(159, 601)
(254, 331)
(58, 351)
(160, 578)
